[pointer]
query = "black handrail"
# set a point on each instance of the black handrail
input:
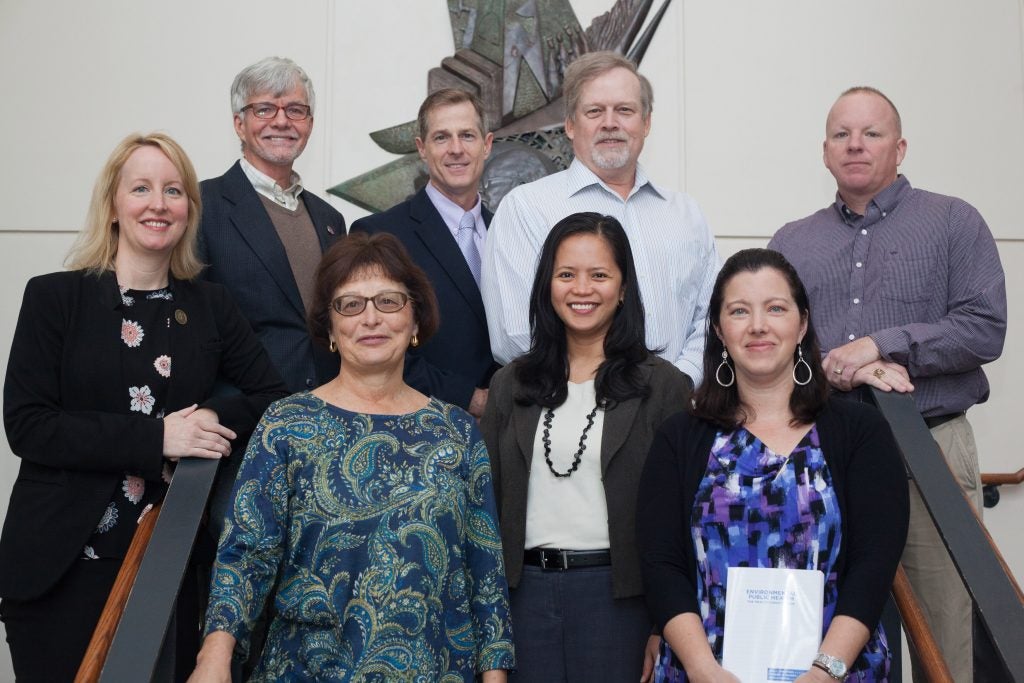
(137, 644)
(996, 595)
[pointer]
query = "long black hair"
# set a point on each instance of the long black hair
(721, 405)
(543, 371)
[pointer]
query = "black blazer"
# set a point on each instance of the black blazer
(68, 419)
(238, 241)
(509, 430)
(457, 359)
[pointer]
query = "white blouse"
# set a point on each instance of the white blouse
(568, 512)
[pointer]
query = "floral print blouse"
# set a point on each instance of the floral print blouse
(146, 368)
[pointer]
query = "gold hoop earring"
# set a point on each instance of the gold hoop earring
(415, 341)
(332, 346)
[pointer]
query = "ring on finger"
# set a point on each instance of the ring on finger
(879, 373)
(838, 371)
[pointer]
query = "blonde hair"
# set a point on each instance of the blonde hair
(96, 247)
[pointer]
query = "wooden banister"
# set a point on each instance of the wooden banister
(96, 654)
(989, 478)
(918, 632)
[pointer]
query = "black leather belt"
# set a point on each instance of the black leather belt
(934, 422)
(553, 558)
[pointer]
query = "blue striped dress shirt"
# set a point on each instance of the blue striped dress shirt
(674, 250)
(919, 273)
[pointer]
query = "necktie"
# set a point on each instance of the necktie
(467, 243)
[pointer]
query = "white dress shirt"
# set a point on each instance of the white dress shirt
(673, 249)
(266, 186)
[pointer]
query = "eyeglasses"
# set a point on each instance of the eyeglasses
(268, 110)
(385, 302)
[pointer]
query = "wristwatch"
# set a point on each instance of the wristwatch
(833, 666)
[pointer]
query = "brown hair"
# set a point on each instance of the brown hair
(96, 247)
(593, 64)
(721, 405)
(447, 97)
(380, 253)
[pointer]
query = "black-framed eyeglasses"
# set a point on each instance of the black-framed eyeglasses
(385, 302)
(268, 110)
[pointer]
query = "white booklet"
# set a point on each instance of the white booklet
(772, 622)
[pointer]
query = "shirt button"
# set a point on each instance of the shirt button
(859, 264)
(863, 231)
(856, 301)
(309, 383)
(851, 337)
(884, 214)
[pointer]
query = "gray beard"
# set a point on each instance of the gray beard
(610, 160)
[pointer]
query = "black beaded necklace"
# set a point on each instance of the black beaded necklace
(546, 438)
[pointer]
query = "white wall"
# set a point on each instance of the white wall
(741, 88)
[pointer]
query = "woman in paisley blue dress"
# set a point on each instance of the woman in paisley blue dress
(568, 427)
(111, 378)
(767, 470)
(365, 507)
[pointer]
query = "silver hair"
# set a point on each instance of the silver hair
(275, 75)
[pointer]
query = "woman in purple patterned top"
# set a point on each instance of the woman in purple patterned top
(766, 470)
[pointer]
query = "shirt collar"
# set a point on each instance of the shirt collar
(580, 177)
(451, 213)
(881, 204)
(266, 186)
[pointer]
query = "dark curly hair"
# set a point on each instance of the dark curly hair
(543, 371)
(721, 405)
(381, 253)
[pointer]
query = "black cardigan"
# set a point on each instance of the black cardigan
(509, 430)
(870, 482)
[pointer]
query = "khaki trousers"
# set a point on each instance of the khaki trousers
(939, 589)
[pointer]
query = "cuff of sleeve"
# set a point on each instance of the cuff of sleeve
(890, 344)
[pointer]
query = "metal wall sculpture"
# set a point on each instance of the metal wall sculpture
(512, 54)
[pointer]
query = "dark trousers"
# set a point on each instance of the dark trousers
(48, 636)
(569, 628)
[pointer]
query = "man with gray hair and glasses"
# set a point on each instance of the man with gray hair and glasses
(262, 233)
(608, 116)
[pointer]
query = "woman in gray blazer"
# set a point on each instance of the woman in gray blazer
(568, 426)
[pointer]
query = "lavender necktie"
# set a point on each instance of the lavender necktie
(467, 243)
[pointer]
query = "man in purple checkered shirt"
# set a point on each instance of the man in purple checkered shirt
(907, 294)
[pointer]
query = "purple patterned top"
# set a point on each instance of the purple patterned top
(757, 508)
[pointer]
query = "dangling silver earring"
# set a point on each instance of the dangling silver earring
(725, 364)
(800, 359)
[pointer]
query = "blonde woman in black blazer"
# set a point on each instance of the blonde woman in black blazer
(568, 427)
(109, 382)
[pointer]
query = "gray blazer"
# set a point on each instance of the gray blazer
(509, 430)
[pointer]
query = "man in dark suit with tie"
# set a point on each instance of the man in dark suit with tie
(262, 233)
(443, 227)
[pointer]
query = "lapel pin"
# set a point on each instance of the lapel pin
(180, 317)
(330, 230)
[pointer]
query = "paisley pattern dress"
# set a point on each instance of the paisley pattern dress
(757, 508)
(384, 529)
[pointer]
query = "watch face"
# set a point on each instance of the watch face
(837, 667)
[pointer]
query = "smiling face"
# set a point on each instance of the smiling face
(150, 206)
(273, 145)
(608, 127)
(371, 340)
(586, 286)
(760, 325)
(454, 150)
(863, 147)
